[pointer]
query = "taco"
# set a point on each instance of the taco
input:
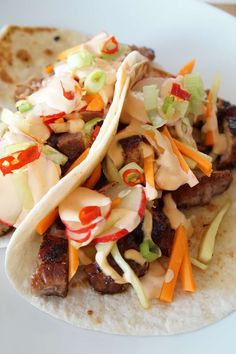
(137, 253)
(57, 121)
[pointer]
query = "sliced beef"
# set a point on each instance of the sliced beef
(105, 284)
(53, 249)
(4, 229)
(131, 242)
(202, 193)
(227, 122)
(162, 234)
(72, 145)
(132, 150)
(102, 283)
(51, 277)
(24, 90)
(146, 52)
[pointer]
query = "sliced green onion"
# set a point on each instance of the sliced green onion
(130, 277)
(88, 127)
(168, 102)
(194, 85)
(23, 106)
(123, 48)
(54, 155)
(168, 107)
(80, 59)
(110, 171)
(208, 242)
(149, 250)
(95, 81)
(135, 176)
(150, 94)
(11, 149)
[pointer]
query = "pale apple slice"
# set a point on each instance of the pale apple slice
(131, 198)
(82, 197)
(10, 204)
(78, 237)
(125, 218)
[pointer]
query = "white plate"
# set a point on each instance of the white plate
(178, 32)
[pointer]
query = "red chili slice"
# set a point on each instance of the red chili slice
(179, 92)
(111, 46)
(70, 95)
(88, 214)
(19, 159)
(138, 177)
(52, 117)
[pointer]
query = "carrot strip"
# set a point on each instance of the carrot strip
(94, 178)
(73, 260)
(149, 170)
(186, 273)
(182, 161)
(175, 261)
(80, 159)
(203, 164)
(115, 202)
(209, 105)
(47, 222)
(96, 104)
(187, 68)
(209, 139)
(63, 55)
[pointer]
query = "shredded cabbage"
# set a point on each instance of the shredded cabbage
(130, 277)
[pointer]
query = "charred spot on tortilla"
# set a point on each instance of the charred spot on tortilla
(90, 312)
(23, 55)
(4, 76)
(48, 51)
(57, 38)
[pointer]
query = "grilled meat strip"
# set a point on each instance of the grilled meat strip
(102, 283)
(131, 242)
(132, 150)
(72, 145)
(227, 122)
(202, 193)
(146, 52)
(51, 277)
(105, 284)
(162, 234)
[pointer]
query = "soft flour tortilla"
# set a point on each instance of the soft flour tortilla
(121, 313)
(25, 51)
